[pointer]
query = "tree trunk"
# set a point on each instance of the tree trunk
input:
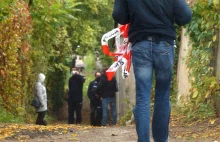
(218, 61)
(217, 95)
(182, 71)
(126, 95)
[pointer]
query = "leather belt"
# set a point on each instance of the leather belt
(155, 39)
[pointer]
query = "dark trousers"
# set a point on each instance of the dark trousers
(72, 108)
(95, 115)
(40, 118)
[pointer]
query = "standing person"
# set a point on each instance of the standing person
(107, 89)
(152, 34)
(95, 101)
(40, 95)
(75, 97)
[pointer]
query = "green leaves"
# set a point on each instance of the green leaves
(41, 37)
(93, 20)
(216, 4)
(203, 31)
(4, 9)
(48, 17)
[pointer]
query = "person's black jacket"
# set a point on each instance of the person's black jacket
(106, 88)
(95, 98)
(151, 17)
(75, 93)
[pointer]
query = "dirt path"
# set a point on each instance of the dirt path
(108, 134)
(102, 134)
(62, 132)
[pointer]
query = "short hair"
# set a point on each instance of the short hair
(104, 69)
(75, 69)
(97, 72)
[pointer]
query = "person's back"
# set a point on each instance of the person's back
(151, 17)
(152, 34)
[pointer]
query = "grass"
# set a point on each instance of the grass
(6, 117)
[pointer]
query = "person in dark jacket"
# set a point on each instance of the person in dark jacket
(95, 101)
(108, 89)
(152, 34)
(75, 97)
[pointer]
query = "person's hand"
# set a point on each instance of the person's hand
(41, 105)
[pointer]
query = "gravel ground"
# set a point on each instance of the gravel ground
(97, 134)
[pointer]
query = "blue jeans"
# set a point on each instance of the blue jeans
(105, 102)
(148, 56)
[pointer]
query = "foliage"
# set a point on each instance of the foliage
(7, 117)
(203, 29)
(89, 74)
(34, 39)
(47, 19)
(5, 10)
(196, 130)
(51, 45)
(89, 61)
(14, 56)
(57, 72)
(93, 21)
(17, 57)
(126, 117)
(174, 87)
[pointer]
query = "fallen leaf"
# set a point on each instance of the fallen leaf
(212, 121)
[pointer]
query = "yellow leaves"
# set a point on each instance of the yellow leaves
(214, 38)
(195, 93)
(22, 132)
(212, 121)
(73, 137)
(22, 138)
(21, 111)
(216, 3)
(195, 135)
(207, 94)
(7, 132)
(12, 31)
(64, 131)
(198, 130)
(213, 84)
(2, 73)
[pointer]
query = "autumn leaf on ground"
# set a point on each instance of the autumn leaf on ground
(22, 132)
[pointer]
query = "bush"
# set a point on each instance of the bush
(6, 117)
(125, 118)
